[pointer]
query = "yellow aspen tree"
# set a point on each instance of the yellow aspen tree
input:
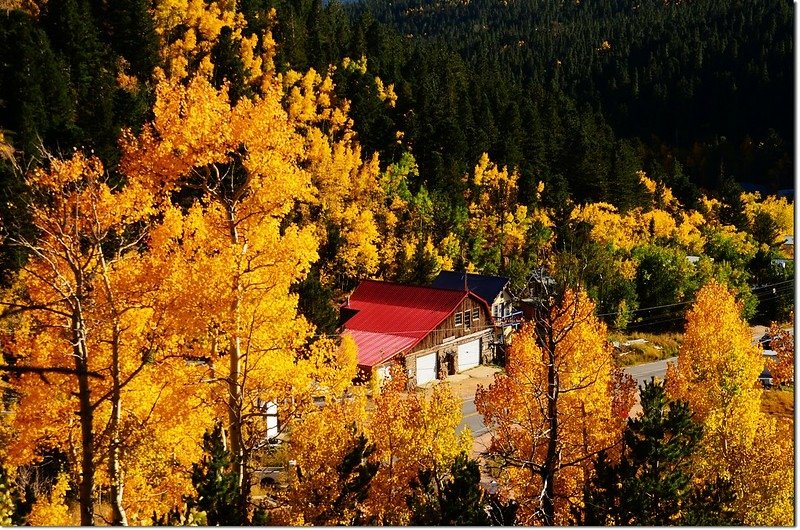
(52, 510)
(76, 214)
(410, 432)
(608, 226)
(778, 209)
(189, 29)
(495, 217)
(346, 191)
(717, 373)
(553, 409)
(318, 491)
(239, 248)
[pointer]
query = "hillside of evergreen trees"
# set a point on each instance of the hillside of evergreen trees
(579, 95)
(576, 94)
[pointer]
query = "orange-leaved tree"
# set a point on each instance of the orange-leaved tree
(553, 409)
(717, 374)
(81, 314)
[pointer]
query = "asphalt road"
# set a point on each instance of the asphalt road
(471, 418)
(643, 372)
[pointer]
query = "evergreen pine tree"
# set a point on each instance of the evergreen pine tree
(216, 485)
(651, 484)
(458, 500)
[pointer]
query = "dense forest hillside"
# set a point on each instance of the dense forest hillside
(575, 99)
(695, 92)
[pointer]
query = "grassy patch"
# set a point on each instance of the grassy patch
(778, 403)
(658, 346)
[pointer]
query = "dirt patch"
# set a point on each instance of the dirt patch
(466, 383)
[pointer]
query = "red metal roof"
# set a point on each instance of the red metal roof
(392, 318)
(374, 348)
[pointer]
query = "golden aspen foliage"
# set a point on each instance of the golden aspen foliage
(556, 406)
(347, 196)
(318, 444)
(411, 432)
(189, 29)
(31, 7)
(717, 371)
(608, 226)
(689, 234)
(496, 221)
(386, 92)
(52, 510)
(660, 224)
(87, 277)
(778, 209)
(648, 183)
(238, 248)
(405, 222)
(709, 208)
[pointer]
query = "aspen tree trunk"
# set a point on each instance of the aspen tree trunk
(115, 471)
(86, 416)
(550, 466)
(114, 460)
(234, 388)
(234, 396)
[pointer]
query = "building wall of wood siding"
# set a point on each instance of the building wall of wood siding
(448, 328)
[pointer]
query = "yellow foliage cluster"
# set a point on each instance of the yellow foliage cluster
(608, 226)
(200, 23)
(410, 432)
(709, 209)
(496, 219)
(318, 444)
(717, 371)
(407, 432)
(688, 233)
(778, 208)
(52, 510)
(638, 227)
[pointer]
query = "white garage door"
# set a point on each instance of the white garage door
(469, 355)
(426, 368)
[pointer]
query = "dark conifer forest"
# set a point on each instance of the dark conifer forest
(576, 94)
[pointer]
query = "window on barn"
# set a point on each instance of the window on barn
(458, 318)
(476, 314)
(466, 318)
